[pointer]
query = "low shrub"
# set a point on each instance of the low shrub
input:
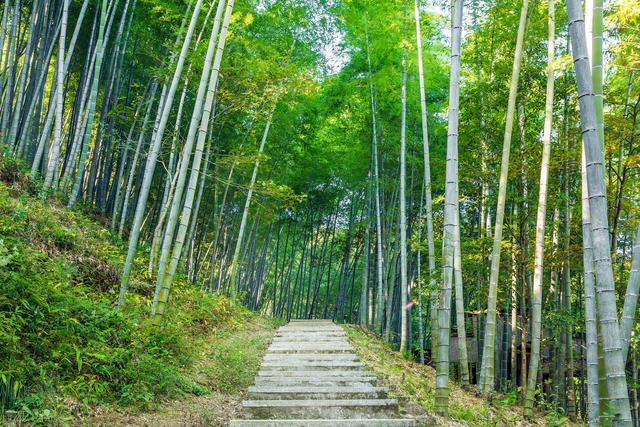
(61, 335)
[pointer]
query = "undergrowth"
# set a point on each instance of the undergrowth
(65, 346)
(410, 380)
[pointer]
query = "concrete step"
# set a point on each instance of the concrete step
(310, 347)
(314, 337)
(380, 422)
(311, 377)
(306, 357)
(321, 409)
(335, 381)
(283, 342)
(322, 365)
(312, 374)
(309, 321)
(302, 343)
(311, 330)
(311, 392)
(308, 336)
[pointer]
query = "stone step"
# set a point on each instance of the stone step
(312, 373)
(306, 357)
(310, 326)
(307, 321)
(321, 409)
(322, 365)
(380, 422)
(300, 343)
(308, 338)
(311, 330)
(310, 333)
(311, 377)
(310, 347)
(311, 392)
(335, 381)
(287, 342)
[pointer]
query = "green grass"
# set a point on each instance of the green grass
(66, 348)
(415, 382)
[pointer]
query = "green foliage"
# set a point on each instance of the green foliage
(233, 361)
(61, 334)
(408, 379)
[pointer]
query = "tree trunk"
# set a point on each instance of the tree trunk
(428, 204)
(591, 332)
(606, 298)
(90, 110)
(538, 272)
(403, 204)
(460, 320)
(166, 279)
(53, 161)
(487, 372)
(376, 178)
(245, 212)
(152, 157)
(134, 163)
(628, 318)
(451, 204)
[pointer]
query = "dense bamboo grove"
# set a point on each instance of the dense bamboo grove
(461, 179)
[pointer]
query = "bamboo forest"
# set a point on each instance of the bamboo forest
(319, 212)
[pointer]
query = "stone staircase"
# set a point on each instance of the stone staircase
(310, 376)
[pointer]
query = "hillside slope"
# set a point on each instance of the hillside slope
(69, 356)
(415, 384)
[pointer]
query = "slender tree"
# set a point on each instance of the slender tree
(605, 289)
(376, 183)
(161, 300)
(536, 295)
(428, 203)
(487, 373)
(403, 204)
(90, 110)
(451, 203)
(153, 156)
(628, 317)
(245, 212)
(53, 161)
(591, 332)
